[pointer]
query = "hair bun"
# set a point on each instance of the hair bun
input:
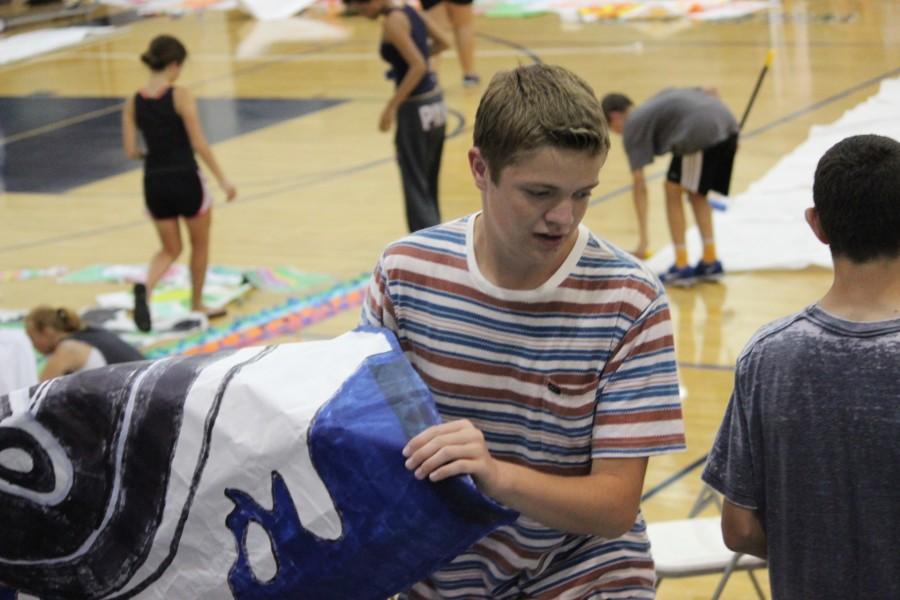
(163, 51)
(150, 60)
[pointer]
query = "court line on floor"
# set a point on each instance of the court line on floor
(624, 48)
(514, 45)
(356, 168)
(564, 49)
(115, 108)
(706, 367)
(312, 54)
(674, 478)
(325, 176)
(713, 43)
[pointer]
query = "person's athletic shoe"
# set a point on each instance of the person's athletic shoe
(711, 271)
(471, 80)
(141, 309)
(681, 277)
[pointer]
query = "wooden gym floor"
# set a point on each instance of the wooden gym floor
(319, 189)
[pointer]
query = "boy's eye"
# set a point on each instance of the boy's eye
(583, 195)
(538, 193)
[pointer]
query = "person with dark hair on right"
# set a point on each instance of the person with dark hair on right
(808, 455)
(174, 187)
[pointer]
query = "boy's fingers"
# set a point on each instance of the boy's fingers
(459, 467)
(443, 456)
(434, 446)
(429, 434)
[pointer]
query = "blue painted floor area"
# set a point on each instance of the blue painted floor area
(79, 147)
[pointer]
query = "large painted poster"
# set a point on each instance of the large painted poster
(261, 473)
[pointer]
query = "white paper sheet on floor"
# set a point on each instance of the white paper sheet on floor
(33, 43)
(269, 10)
(18, 368)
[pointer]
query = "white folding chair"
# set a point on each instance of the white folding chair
(694, 546)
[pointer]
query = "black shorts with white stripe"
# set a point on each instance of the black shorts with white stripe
(706, 170)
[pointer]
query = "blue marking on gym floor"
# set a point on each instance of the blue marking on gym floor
(72, 146)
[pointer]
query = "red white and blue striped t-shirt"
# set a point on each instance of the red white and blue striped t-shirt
(581, 368)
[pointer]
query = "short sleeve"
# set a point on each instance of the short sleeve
(731, 469)
(377, 308)
(638, 145)
(639, 410)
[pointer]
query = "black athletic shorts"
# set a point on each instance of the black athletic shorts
(706, 170)
(175, 193)
(429, 4)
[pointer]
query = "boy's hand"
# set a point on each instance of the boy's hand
(450, 449)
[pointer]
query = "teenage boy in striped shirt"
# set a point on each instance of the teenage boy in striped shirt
(547, 349)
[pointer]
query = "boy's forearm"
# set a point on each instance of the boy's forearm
(640, 208)
(599, 504)
(743, 531)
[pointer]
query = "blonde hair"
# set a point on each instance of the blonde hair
(61, 319)
(534, 106)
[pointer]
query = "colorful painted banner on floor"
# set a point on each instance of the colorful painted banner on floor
(188, 332)
(29, 274)
(283, 279)
(284, 319)
(262, 473)
(588, 11)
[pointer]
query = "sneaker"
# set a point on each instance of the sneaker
(712, 271)
(141, 310)
(681, 277)
(471, 80)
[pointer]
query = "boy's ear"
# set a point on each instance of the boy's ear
(479, 168)
(617, 121)
(812, 217)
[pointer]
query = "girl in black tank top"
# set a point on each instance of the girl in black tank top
(173, 185)
(417, 105)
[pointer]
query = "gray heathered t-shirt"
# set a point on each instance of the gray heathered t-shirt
(678, 120)
(811, 440)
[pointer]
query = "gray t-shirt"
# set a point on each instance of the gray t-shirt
(811, 440)
(678, 120)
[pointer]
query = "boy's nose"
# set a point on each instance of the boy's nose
(561, 216)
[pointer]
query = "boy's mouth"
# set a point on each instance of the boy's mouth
(550, 241)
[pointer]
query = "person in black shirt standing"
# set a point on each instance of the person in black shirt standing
(408, 39)
(173, 185)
